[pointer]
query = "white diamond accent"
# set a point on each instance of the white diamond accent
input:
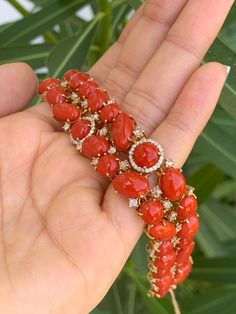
(73, 141)
(169, 163)
(79, 145)
(167, 204)
(172, 216)
(133, 202)
(156, 192)
(138, 132)
(150, 169)
(112, 150)
(84, 104)
(124, 165)
(94, 161)
(103, 131)
(178, 227)
(66, 126)
(175, 241)
(190, 190)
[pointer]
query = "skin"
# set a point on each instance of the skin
(65, 235)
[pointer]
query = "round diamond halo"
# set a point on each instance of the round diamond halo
(146, 169)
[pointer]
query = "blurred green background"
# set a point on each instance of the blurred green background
(55, 36)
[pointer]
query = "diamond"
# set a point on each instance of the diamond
(84, 104)
(124, 165)
(133, 202)
(138, 132)
(169, 163)
(64, 84)
(167, 204)
(103, 131)
(112, 150)
(156, 192)
(190, 190)
(94, 161)
(172, 216)
(66, 126)
(175, 241)
(79, 146)
(178, 227)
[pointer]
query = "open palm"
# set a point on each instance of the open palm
(65, 235)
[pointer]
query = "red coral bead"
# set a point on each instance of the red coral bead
(162, 272)
(183, 255)
(146, 155)
(47, 84)
(187, 207)
(183, 243)
(108, 165)
(162, 292)
(65, 112)
(182, 272)
(70, 74)
(165, 230)
(97, 100)
(87, 88)
(80, 129)
(165, 282)
(109, 113)
(56, 95)
(165, 248)
(77, 80)
(122, 131)
(189, 227)
(151, 212)
(131, 184)
(173, 184)
(94, 146)
(165, 261)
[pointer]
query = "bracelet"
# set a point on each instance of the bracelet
(120, 151)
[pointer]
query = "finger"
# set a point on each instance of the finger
(189, 115)
(146, 37)
(103, 66)
(177, 135)
(161, 82)
(18, 83)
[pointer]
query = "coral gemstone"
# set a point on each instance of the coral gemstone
(162, 272)
(165, 248)
(87, 88)
(109, 113)
(165, 282)
(165, 261)
(183, 243)
(187, 207)
(77, 80)
(108, 165)
(189, 227)
(47, 84)
(183, 255)
(146, 155)
(173, 184)
(165, 230)
(152, 212)
(65, 112)
(80, 129)
(70, 74)
(182, 272)
(131, 184)
(56, 95)
(122, 131)
(94, 146)
(97, 100)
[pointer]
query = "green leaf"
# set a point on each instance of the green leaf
(224, 121)
(217, 270)
(218, 148)
(205, 181)
(35, 55)
(39, 22)
(72, 52)
(211, 301)
(135, 4)
(220, 52)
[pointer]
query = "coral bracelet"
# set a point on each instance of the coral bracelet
(120, 151)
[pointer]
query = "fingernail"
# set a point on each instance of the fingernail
(228, 69)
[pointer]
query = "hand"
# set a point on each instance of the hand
(65, 234)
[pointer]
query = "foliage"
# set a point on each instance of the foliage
(68, 40)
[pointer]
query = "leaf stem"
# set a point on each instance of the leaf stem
(105, 25)
(19, 7)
